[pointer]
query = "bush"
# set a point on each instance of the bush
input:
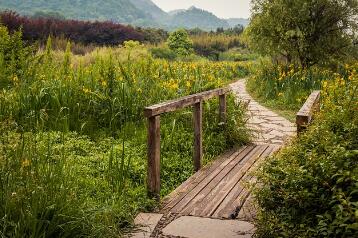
(211, 45)
(310, 189)
(163, 53)
(180, 43)
(14, 56)
(99, 33)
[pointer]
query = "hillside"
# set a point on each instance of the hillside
(136, 12)
(197, 18)
(238, 21)
(122, 11)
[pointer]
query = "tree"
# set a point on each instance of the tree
(306, 32)
(180, 43)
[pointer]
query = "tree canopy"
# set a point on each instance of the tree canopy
(180, 43)
(306, 32)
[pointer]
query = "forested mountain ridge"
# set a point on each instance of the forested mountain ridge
(136, 12)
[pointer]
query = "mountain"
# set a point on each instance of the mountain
(197, 18)
(173, 12)
(115, 10)
(136, 12)
(238, 21)
(150, 8)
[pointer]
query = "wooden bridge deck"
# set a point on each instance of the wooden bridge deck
(219, 190)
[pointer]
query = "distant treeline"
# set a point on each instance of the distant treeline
(85, 32)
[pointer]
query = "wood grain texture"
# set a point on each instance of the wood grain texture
(305, 114)
(153, 179)
(183, 102)
(198, 135)
(222, 108)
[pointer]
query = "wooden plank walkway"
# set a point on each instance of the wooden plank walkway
(220, 193)
(220, 190)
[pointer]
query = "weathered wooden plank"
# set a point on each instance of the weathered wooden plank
(173, 105)
(214, 196)
(153, 179)
(222, 108)
(194, 180)
(248, 210)
(233, 201)
(205, 178)
(198, 135)
(221, 171)
(304, 116)
(203, 197)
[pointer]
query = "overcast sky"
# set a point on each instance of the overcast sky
(221, 8)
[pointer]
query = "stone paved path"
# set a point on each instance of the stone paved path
(267, 127)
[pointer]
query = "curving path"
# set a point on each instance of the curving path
(215, 202)
(267, 127)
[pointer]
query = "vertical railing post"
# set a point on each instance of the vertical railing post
(198, 135)
(222, 108)
(301, 122)
(153, 179)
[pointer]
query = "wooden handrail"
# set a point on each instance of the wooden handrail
(173, 105)
(153, 114)
(305, 115)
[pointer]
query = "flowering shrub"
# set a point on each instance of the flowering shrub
(310, 189)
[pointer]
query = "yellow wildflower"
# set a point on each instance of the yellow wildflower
(86, 90)
(25, 163)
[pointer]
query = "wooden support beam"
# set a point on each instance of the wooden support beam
(198, 135)
(222, 108)
(305, 115)
(153, 179)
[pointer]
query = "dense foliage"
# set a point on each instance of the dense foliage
(286, 86)
(304, 32)
(100, 33)
(73, 135)
(180, 43)
(310, 189)
(211, 45)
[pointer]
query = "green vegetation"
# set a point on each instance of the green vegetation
(304, 32)
(180, 43)
(310, 188)
(73, 137)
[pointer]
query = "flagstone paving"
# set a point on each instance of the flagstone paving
(267, 127)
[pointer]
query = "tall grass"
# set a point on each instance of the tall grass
(73, 137)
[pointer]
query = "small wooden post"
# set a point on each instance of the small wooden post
(153, 179)
(198, 135)
(302, 122)
(222, 108)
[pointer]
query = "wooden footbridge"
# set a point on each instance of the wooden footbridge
(219, 190)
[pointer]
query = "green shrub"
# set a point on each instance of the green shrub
(310, 189)
(179, 42)
(14, 56)
(163, 53)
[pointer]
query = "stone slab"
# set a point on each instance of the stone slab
(198, 227)
(145, 224)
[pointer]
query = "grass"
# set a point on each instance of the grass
(73, 135)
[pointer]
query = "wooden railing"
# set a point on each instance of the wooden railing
(153, 114)
(305, 115)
